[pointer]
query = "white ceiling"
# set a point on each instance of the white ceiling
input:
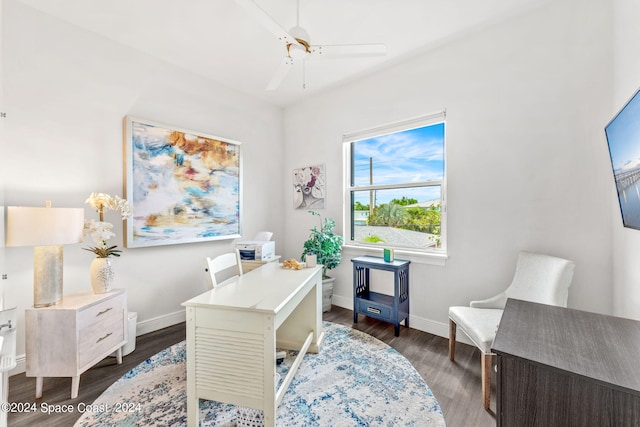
(219, 40)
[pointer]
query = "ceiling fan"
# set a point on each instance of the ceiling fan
(298, 46)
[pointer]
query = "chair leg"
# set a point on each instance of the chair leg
(452, 339)
(486, 379)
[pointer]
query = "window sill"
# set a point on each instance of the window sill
(430, 258)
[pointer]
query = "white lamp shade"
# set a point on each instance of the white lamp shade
(30, 226)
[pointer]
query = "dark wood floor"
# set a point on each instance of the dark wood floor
(456, 386)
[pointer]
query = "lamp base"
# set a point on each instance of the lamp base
(47, 275)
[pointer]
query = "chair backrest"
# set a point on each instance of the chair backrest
(221, 263)
(541, 278)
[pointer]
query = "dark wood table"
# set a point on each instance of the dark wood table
(564, 367)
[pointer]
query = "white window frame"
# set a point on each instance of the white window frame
(430, 255)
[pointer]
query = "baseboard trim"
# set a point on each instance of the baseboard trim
(166, 320)
(160, 322)
(21, 365)
(144, 327)
(420, 323)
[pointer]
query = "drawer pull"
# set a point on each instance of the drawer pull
(373, 310)
(104, 311)
(104, 337)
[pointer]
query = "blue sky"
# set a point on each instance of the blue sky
(409, 156)
(623, 136)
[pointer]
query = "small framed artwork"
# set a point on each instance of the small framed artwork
(184, 186)
(309, 187)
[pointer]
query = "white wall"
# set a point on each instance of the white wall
(528, 169)
(67, 91)
(626, 242)
(527, 164)
(2, 182)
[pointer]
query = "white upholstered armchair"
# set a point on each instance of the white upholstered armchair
(538, 278)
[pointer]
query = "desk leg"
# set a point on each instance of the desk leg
(192, 411)
(269, 358)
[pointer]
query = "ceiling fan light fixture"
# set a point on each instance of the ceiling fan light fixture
(298, 44)
(297, 51)
(300, 33)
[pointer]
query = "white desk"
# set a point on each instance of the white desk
(231, 337)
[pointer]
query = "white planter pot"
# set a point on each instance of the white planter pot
(327, 293)
(102, 275)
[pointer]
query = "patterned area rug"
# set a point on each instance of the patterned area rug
(355, 380)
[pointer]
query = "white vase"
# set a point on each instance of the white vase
(327, 293)
(311, 260)
(101, 275)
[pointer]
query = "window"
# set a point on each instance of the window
(395, 180)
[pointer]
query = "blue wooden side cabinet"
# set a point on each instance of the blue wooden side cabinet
(389, 308)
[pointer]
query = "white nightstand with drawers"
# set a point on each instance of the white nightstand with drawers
(66, 339)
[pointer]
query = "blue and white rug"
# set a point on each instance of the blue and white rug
(355, 380)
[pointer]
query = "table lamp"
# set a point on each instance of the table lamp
(47, 229)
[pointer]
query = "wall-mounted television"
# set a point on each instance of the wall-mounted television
(623, 138)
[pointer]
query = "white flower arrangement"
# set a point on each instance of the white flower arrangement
(101, 201)
(100, 231)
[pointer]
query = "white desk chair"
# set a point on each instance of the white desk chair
(221, 263)
(7, 355)
(538, 278)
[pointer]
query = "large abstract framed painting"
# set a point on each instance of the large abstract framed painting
(623, 138)
(309, 187)
(184, 186)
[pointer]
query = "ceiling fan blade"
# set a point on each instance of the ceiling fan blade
(267, 21)
(348, 50)
(284, 68)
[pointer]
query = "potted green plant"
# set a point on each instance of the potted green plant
(326, 245)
